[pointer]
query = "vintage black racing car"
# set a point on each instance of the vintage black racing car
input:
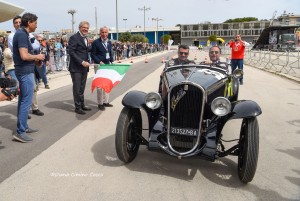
(187, 117)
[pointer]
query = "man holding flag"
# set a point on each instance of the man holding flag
(101, 53)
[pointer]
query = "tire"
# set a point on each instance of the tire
(127, 142)
(249, 148)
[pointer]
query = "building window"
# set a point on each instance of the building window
(205, 26)
(256, 25)
(225, 26)
(256, 32)
(236, 26)
(246, 26)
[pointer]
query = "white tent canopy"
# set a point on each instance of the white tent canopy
(9, 11)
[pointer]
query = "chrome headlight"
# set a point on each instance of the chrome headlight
(238, 73)
(220, 106)
(153, 100)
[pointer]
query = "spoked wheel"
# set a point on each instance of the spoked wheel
(249, 148)
(127, 142)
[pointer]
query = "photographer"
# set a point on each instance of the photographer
(41, 71)
(237, 53)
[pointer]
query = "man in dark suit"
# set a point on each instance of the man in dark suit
(101, 53)
(79, 65)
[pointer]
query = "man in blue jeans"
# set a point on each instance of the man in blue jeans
(24, 59)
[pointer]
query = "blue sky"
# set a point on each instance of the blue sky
(53, 14)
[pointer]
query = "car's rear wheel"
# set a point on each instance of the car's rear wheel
(249, 148)
(127, 142)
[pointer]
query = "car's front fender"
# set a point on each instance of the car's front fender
(244, 109)
(136, 99)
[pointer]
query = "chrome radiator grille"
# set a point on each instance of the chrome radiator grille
(185, 105)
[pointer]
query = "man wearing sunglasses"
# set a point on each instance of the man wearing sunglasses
(182, 59)
(214, 56)
(183, 54)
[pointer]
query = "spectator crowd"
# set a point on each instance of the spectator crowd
(57, 50)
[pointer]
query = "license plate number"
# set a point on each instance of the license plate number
(184, 131)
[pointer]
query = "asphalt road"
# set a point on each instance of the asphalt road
(59, 118)
(73, 157)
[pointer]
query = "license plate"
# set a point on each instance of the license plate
(184, 131)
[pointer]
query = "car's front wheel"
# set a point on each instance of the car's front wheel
(249, 148)
(129, 126)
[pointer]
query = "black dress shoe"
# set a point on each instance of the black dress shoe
(85, 108)
(79, 111)
(101, 107)
(38, 112)
(107, 105)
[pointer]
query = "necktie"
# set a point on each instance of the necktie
(85, 40)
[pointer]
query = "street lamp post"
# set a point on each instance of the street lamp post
(156, 19)
(72, 12)
(117, 29)
(125, 23)
(96, 21)
(144, 9)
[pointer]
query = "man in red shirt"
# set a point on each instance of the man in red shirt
(237, 54)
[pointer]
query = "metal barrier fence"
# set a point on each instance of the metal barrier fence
(134, 52)
(58, 62)
(287, 62)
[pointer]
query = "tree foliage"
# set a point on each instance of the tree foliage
(244, 19)
(124, 37)
(165, 38)
(212, 38)
(127, 36)
(138, 38)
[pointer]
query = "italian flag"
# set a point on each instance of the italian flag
(109, 75)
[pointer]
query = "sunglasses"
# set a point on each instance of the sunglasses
(40, 40)
(214, 52)
(183, 53)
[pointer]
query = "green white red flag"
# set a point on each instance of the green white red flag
(109, 75)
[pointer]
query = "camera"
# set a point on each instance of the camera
(44, 50)
(7, 83)
(9, 87)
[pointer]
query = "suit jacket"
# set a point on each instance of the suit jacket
(98, 52)
(78, 52)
